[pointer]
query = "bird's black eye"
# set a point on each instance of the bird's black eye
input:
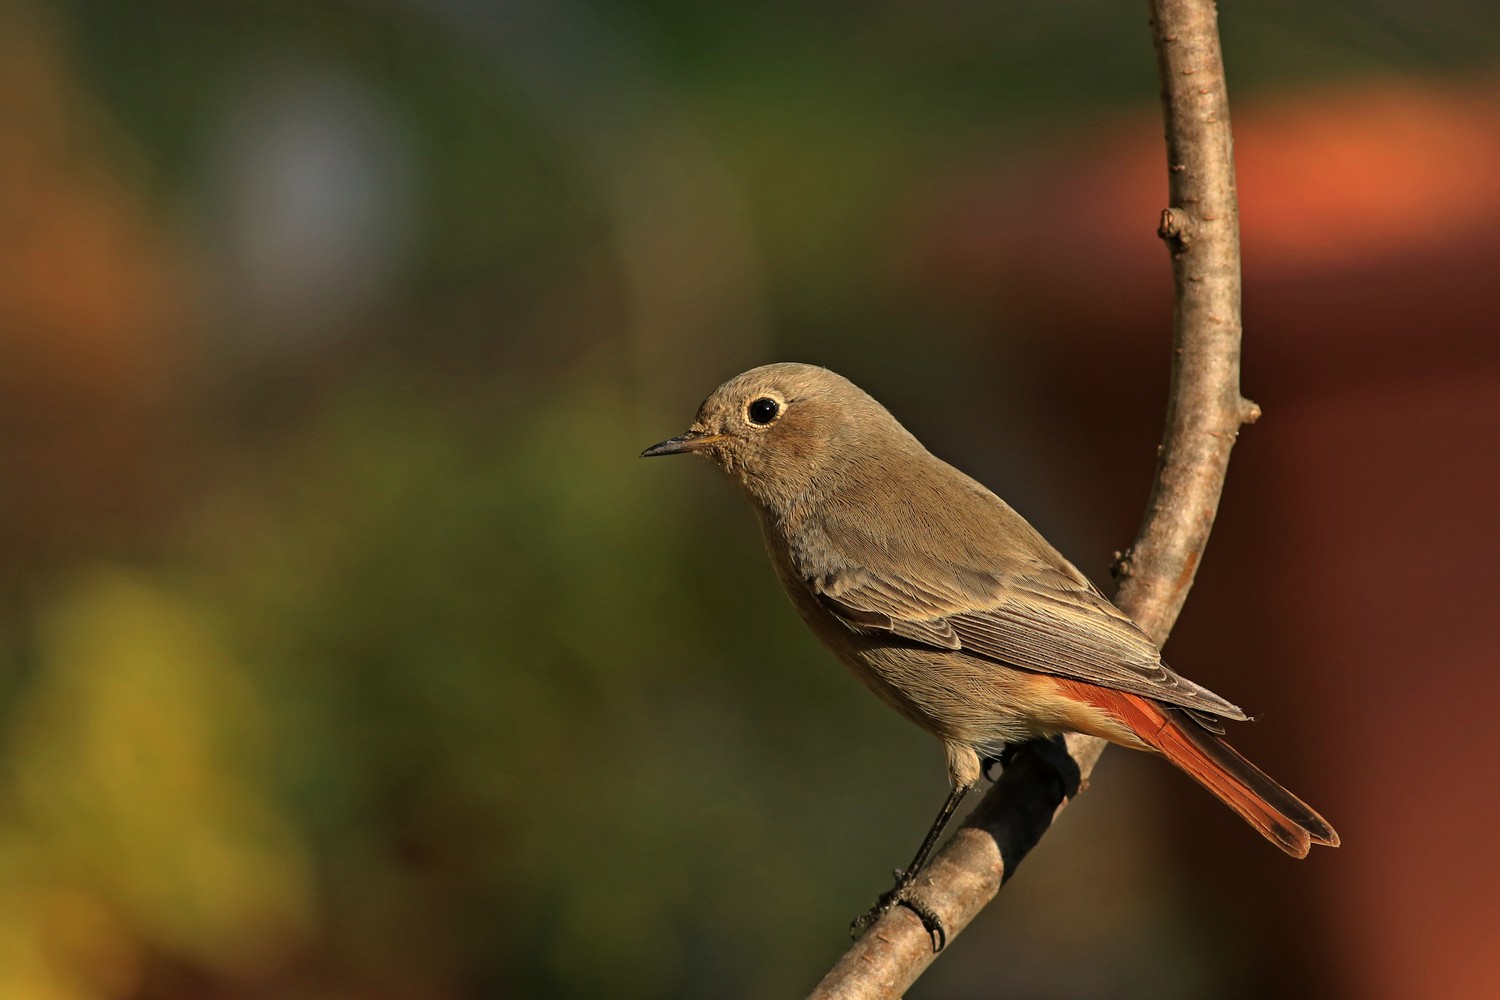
(763, 410)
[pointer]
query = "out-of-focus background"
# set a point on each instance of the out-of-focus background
(347, 651)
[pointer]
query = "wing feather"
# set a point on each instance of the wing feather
(1023, 610)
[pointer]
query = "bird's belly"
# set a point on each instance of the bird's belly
(957, 697)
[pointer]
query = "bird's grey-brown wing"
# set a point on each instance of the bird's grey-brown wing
(1023, 606)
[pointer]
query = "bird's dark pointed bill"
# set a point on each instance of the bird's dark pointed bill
(681, 444)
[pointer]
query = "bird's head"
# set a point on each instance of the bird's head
(779, 430)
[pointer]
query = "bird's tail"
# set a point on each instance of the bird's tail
(1280, 816)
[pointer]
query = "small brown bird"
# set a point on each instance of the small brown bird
(952, 608)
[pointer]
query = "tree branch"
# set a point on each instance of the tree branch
(1204, 414)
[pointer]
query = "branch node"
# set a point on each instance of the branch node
(1120, 568)
(1176, 229)
(1249, 411)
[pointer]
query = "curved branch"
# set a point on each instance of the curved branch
(1204, 414)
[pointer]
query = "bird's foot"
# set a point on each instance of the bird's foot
(994, 763)
(904, 894)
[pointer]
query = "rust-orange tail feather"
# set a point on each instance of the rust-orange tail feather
(1280, 816)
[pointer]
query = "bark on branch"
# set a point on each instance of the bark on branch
(1204, 414)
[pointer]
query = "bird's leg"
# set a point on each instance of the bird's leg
(901, 894)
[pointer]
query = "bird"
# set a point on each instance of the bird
(952, 608)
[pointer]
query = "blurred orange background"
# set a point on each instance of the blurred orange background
(347, 651)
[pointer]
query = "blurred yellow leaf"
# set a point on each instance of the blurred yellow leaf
(140, 756)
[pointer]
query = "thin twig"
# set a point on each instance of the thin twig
(1204, 414)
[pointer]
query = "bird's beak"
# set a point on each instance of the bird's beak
(682, 444)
